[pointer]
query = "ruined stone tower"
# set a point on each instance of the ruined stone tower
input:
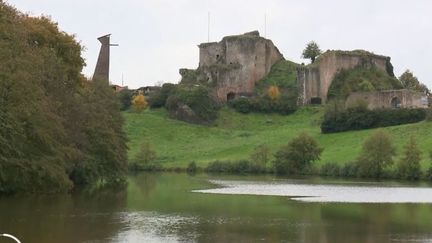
(234, 65)
(315, 79)
(102, 65)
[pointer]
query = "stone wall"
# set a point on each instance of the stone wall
(236, 63)
(314, 80)
(389, 99)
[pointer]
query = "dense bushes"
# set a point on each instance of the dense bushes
(192, 167)
(125, 99)
(238, 167)
(297, 155)
(57, 129)
(358, 118)
(409, 165)
(192, 104)
(429, 114)
(158, 98)
(365, 77)
(377, 154)
(284, 105)
(429, 171)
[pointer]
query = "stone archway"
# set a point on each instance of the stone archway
(395, 102)
(316, 101)
(231, 96)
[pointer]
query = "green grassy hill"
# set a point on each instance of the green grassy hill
(235, 135)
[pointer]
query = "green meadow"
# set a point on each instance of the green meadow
(234, 136)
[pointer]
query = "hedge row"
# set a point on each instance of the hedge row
(283, 105)
(362, 118)
(237, 167)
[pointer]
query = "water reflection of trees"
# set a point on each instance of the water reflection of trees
(161, 206)
(81, 216)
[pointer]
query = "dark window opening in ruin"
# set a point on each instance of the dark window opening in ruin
(256, 57)
(230, 62)
(230, 96)
(395, 102)
(316, 101)
(217, 57)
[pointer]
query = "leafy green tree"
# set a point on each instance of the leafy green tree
(297, 155)
(159, 97)
(409, 165)
(409, 81)
(377, 153)
(311, 51)
(261, 155)
(145, 157)
(125, 99)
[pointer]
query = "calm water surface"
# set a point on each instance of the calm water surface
(169, 207)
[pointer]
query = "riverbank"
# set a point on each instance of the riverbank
(234, 136)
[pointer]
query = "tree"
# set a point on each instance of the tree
(139, 103)
(297, 155)
(429, 171)
(376, 154)
(311, 51)
(409, 81)
(145, 157)
(125, 99)
(409, 165)
(261, 155)
(64, 130)
(273, 92)
(159, 97)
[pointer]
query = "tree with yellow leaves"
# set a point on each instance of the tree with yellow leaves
(273, 92)
(139, 103)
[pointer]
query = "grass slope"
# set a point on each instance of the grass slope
(235, 135)
(282, 74)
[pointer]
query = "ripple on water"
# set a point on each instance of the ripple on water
(153, 227)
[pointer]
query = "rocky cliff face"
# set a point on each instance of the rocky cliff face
(314, 80)
(233, 65)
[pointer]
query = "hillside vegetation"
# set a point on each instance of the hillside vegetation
(361, 79)
(235, 135)
(283, 74)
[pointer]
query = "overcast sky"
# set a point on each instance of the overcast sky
(158, 37)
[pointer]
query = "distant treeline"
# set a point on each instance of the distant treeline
(376, 160)
(57, 129)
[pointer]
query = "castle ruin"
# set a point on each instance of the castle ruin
(389, 99)
(235, 64)
(314, 80)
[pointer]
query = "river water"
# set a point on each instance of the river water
(171, 207)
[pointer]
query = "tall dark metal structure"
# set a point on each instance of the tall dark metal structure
(103, 62)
